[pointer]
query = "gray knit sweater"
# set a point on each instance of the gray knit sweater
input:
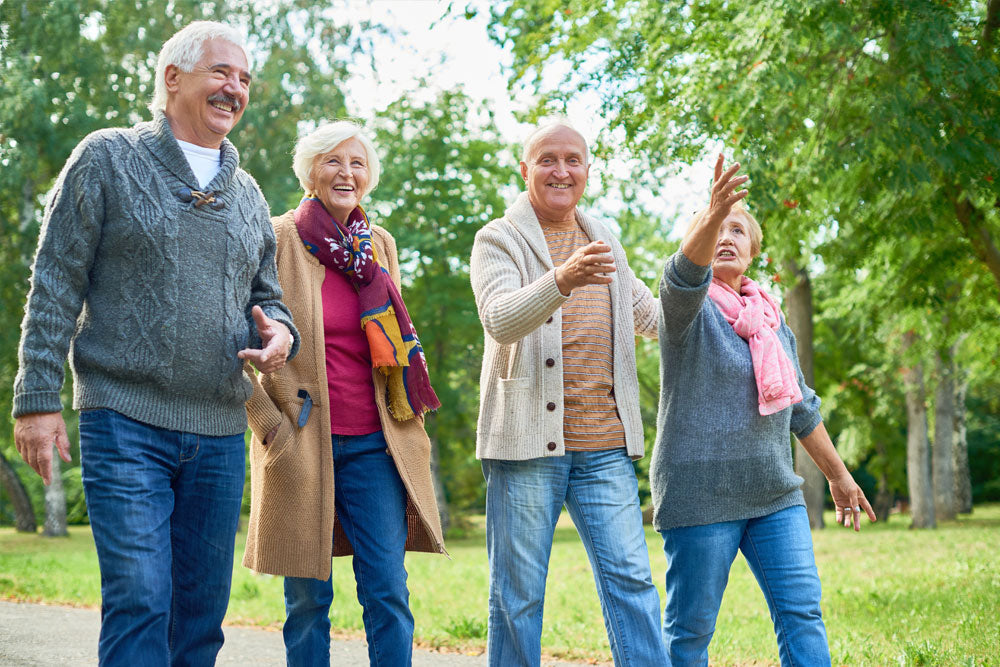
(154, 293)
(716, 458)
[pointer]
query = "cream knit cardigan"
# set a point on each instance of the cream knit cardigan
(520, 307)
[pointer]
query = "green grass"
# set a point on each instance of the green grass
(891, 596)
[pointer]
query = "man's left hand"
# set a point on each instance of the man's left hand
(276, 341)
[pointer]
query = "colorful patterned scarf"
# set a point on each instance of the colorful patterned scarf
(392, 339)
(756, 318)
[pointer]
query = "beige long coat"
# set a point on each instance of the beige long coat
(293, 525)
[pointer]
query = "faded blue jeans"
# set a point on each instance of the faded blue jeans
(164, 507)
(371, 508)
(778, 549)
(523, 501)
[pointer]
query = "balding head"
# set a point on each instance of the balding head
(545, 129)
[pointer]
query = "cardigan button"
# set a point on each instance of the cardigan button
(551, 446)
(549, 321)
(550, 362)
(550, 406)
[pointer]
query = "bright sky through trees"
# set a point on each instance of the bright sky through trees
(435, 42)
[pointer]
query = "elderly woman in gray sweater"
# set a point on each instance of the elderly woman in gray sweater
(722, 475)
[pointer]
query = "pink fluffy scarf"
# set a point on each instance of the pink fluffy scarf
(756, 318)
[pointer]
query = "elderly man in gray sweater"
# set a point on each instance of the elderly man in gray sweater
(559, 420)
(155, 270)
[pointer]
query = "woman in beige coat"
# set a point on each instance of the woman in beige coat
(340, 461)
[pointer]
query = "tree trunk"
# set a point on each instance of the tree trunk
(799, 307)
(963, 478)
(24, 513)
(27, 204)
(884, 498)
(942, 453)
(55, 502)
(918, 454)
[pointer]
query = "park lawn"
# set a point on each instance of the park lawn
(890, 595)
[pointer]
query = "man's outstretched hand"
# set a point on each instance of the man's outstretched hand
(276, 341)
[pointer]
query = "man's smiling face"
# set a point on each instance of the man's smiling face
(203, 105)
(556, 173)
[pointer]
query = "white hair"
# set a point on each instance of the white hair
(546, 126)
(184, 50)
(324, 139)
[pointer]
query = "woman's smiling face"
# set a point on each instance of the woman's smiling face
(340, 178)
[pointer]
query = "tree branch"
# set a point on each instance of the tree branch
(973, 223)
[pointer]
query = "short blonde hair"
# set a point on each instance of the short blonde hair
(756, 234)
(324, 139)
(184, 50)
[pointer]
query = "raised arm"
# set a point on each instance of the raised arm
(687, 273)
(699, 243)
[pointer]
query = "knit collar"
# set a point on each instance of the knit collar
(159, 139)
(522, 215)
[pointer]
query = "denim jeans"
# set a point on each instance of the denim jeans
(371, 508)
(778, 549)
(523, 501)
(164, 507)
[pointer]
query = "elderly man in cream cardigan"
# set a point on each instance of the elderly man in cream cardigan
(559, 420)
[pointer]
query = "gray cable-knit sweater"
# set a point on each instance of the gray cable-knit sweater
(154, 293)
(716, 458)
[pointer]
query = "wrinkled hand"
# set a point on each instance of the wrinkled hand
(724, 194)
(276, 341)
(34, 436)
(849, 500)
(586, 266)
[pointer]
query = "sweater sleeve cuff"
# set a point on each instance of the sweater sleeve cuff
(808, 425)
(688, 274)
(293, 331)
(262, 417)
(36, 401)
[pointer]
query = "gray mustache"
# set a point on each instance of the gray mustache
(226, 99)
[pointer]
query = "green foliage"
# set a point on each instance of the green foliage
(467, 628)
(984, 446)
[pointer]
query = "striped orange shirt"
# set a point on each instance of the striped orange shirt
(590, 416)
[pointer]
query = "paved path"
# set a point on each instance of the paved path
(34, 634)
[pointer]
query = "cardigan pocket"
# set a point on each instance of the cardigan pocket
(284, 440)
(513, 415)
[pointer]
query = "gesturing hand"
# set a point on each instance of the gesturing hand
(276, 341)
(34, 436)
(723, 191)
(586, 266)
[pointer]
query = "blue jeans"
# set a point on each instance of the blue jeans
(164, 507)
(371, 508)
(523, 501)
(778, 549)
